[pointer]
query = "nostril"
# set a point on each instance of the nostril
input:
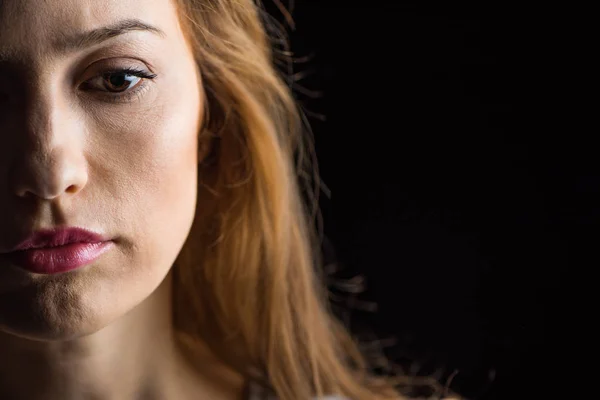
(25, 194)
(71, 189)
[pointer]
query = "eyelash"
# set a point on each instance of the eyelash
(128, 94)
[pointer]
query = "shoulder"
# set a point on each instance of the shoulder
(256, 392)
(332, 398)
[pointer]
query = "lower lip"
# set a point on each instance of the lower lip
(53, 260)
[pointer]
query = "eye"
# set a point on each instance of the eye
(119, 84)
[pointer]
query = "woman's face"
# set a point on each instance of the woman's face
(116, 153)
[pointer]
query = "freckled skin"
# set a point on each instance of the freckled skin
(68, 156)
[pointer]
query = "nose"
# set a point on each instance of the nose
(49, 160)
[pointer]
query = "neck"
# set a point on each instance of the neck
(135, 357)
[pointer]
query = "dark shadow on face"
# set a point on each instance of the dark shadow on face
(98, 129)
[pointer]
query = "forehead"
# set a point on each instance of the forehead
(36, 25)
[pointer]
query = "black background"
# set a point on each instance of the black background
(464, 182)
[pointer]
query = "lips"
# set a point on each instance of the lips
(59, 237)
(59, 250)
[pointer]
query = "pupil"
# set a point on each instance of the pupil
(118, 80)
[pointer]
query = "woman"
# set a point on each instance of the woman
(153, 240)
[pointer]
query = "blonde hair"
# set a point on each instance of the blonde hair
(247, 281)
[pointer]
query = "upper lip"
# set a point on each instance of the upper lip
(58, 237)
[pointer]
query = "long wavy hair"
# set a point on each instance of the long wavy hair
(248, 282)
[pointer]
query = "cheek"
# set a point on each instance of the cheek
(142, 187)
(146, 166)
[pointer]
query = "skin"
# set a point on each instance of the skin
(127, 169)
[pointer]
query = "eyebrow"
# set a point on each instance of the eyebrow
(99, 35)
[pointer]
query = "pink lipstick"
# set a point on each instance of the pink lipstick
(58, 250)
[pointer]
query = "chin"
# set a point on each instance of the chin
(74, 305)
(56, 322)
(60, 310)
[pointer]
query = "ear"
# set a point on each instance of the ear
(204, 151)
(204, 146)
(207, 142)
